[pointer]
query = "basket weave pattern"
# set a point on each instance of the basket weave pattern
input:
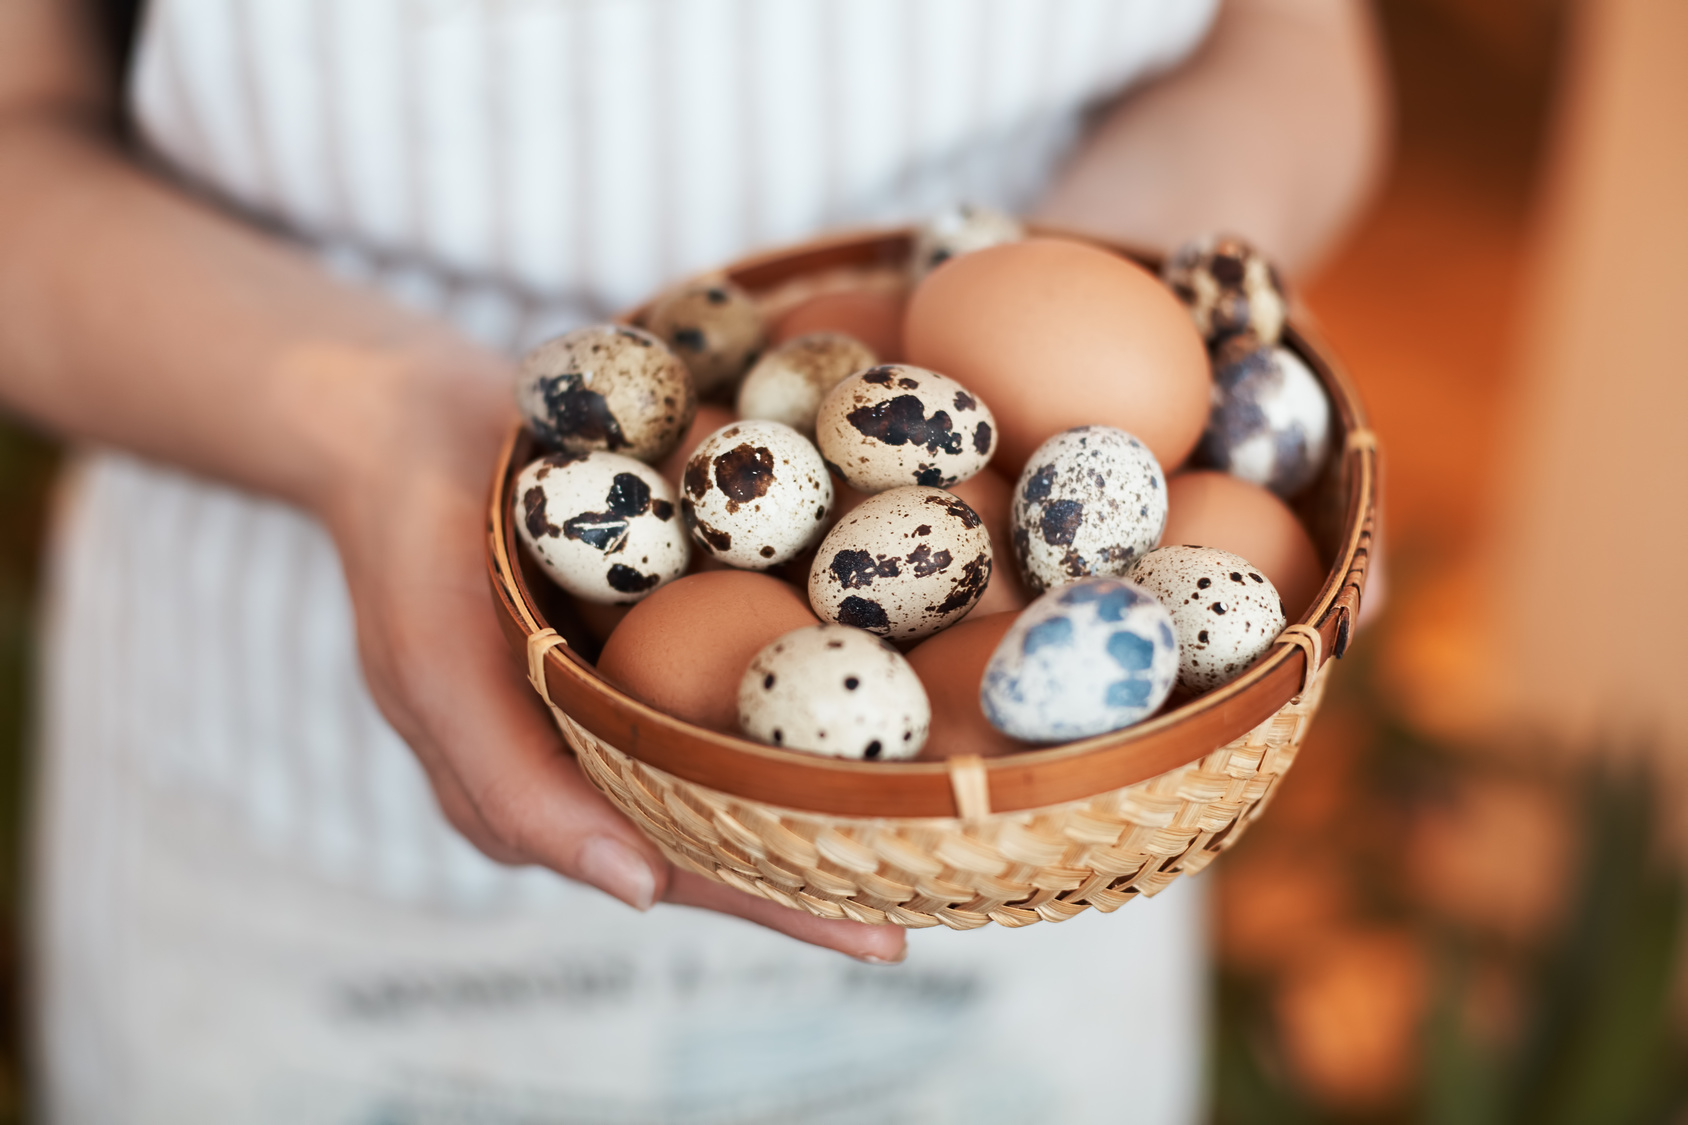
(1013, 869)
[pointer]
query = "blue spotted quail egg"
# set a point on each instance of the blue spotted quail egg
(1224, 611)
(788, 384)
(1086, 659)
(755, 494)
(895, 425)
(902, 564)
(960, 230)
(835, 691)
(601, 525)
(1089, 501)
(714, 326)
(606, 387)
(1229, 288)
(1270, 423)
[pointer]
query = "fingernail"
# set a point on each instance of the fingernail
(873, 959)
(617, 869)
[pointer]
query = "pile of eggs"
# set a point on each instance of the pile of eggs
(932, 523)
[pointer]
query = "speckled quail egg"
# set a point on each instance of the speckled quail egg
(755, 493)
(1224, 611)
(1270, 423)
(836, 691)
(606, 387)
(1229, 288)
(902, 564)
(788, 384)
(1088, 658)
(895, 425)
(601, 525)
(960, 230)
(714, 326)
(1089, 501)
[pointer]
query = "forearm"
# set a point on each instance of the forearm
(134, 315)
(1274, 131)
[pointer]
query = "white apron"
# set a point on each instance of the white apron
(249, 908)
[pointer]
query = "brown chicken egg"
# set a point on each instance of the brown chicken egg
(873, 316)
(1056, 333)
(1214, 509)
(684, 649)
(993, 498)
(951, 665)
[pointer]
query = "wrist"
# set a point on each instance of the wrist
(367, 417)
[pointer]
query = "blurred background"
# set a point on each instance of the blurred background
(1466, 905)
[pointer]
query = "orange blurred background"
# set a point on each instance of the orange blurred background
(1457, 909)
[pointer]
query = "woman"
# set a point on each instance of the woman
(286, 327)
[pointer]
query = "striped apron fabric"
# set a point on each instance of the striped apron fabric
(250, 908)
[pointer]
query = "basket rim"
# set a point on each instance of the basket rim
(924, 789)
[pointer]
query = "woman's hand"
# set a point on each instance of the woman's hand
(410, 523)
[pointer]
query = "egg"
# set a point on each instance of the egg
(993, 499)
(606, 387)
(1055, 333)
(683, 649)
(1090, 501)
(1207, 508)
(1224, 611)
(903, 565)
(834, 691)
(872, 315)
(602, 526)
(714, 326)
(1086, 659)
(1229, 287)
(960, 230)
(755, 494)
(951, 665)
(1270, 423)
(710, 417)
(788, 384)
(897, 425)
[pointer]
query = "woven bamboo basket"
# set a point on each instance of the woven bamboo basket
(1037, 836)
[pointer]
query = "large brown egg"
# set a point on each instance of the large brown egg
(684, 648)
(1054, 334)
(951, 665)
(993, 499)
(1213, 509)
(873, 316)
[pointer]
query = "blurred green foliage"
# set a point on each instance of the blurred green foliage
(1593, 1041)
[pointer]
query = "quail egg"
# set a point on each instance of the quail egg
(960, 230)
(902, 564)
(601, 525)
(1086, 659)
(895, 425)
(1224, 611)
(754, 494)
(1229, 288)
(606, 387)
(788, 384)
(835, 691)
(1270, 423)
(714, 326)
(1090, 501)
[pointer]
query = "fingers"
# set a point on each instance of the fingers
(508, 762)
(887, 944)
